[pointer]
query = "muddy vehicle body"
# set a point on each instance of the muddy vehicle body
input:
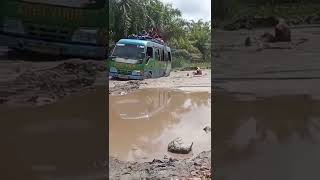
(139, 59)
(66, 28)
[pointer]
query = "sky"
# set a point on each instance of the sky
(193, 9)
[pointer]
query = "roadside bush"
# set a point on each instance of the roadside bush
(177, 62)
(181, 53)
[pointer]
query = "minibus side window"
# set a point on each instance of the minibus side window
(162, 55)
(150, 52)
(157, 54)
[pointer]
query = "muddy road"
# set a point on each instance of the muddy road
(269, 138)
(145, 121)
(250, 73)
(61, 140)
(58, 101)
(152, 118)
(146, 115)
(182, 80)
(50, 107)
(270, 98)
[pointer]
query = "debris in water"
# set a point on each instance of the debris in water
(207, 129)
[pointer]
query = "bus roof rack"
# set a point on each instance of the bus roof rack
(147, 38)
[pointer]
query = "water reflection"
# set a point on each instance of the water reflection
(142, 123)
(269, 138)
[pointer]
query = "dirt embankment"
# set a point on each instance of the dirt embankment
(46, 83)
(167, 168)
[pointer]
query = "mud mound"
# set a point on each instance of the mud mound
(51, 83)
(124, 88)
(198, 167)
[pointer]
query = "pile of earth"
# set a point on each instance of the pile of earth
(166, 168)
(48, 85)
(125, 87)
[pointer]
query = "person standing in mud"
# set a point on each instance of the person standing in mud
(282, 31)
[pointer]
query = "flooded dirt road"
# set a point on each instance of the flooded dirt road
(62, 140)
(141, 125)
(146, 115)
(144, 122)
(53, 109)
(270, 138)
(53, 117)
(266, 107)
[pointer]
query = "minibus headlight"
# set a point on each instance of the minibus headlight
(113, 70)
(136, 73)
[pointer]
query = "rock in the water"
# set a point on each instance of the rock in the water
(282, 32)
(207, 129)
(177, 146)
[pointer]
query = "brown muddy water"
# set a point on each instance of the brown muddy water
(268, 138)
(141, 124)
(57, 141)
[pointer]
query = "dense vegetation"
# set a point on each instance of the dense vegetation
(191, 40)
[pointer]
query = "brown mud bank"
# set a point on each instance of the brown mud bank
(41, 83)
(183, 80)
(166, 168)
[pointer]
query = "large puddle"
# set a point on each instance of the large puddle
(269, 138)
(141, 124)
(54, 141)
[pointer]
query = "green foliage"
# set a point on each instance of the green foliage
(178, 62)
(133, 16)
(182, 53)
